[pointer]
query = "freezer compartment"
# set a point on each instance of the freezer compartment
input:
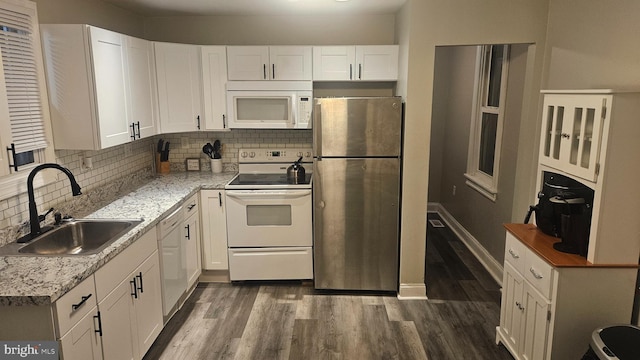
(286, 263)
(356, 222)
(357, 127)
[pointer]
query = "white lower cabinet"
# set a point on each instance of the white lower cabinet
(552, 302)
(191, 240)
(131, 314)
(214, 230)
(524, 315)
(130, 300)
(83, 341)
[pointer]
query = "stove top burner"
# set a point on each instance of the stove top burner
(266, 180)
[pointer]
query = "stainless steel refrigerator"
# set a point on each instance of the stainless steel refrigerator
(356, 192)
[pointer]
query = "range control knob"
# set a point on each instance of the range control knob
(244, 154)
(299, 154)
(252, 154)
(308, 154)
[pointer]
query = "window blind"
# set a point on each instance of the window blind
(21, 81)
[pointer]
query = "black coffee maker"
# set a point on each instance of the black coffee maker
(564, 210)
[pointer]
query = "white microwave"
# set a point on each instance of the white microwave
(269, 104)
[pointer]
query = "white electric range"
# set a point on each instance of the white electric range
(269, 218)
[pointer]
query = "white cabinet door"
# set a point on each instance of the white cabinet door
(214, 230)
(178, 76)
(214, 85)
(269, 62)
(148, 304)
(511, 310)
(571, 133)
(535, 326)
(83, 342)
(290, 62)
(191, 240)
(109, 71)
(361, 62)
(334, 63)
(248, 63)
(119, 335)
(142, 99)
(377, 62)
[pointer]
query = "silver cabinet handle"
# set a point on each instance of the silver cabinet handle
(360, 71)
(350, 71)
(264, 71)
(273, 71)
(535, 274)
(514, 254)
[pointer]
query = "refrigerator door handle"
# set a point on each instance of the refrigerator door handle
(317, 130)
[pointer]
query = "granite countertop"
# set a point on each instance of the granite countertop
(41, 280)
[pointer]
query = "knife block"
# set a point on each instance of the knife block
(162, 167)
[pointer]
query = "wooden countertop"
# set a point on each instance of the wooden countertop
(542, 244)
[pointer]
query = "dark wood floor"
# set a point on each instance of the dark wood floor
(293, 321)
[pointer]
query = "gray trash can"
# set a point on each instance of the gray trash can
(614, 342)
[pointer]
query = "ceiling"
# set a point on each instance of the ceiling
(257, 7)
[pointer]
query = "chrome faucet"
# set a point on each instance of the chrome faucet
(34, 218)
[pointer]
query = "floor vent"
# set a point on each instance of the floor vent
(436, 223)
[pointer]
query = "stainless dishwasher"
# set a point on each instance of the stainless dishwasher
(172, 260)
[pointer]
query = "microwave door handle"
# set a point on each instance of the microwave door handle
(294, 109)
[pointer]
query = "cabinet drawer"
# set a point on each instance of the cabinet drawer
(75, 304)
(112, 273)
(514, 253)
(539, 273)
(191, 206)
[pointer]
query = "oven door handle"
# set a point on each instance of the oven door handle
(284, 194)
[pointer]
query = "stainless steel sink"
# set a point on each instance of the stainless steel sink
(78, 237)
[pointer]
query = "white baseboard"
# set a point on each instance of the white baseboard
(492, 266)
(412, 292)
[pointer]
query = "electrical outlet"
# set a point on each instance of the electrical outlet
(184, 142)
(453, 192)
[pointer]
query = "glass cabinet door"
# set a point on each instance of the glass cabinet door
(571, 133)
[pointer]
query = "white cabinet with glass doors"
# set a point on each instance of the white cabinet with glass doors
(359, 62)
(572, 131)
(590, 135)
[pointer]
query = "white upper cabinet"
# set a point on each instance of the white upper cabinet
(572, 131)
(142, 89)
(179, 94)
(335, 63)
(269, 62)
(95, 101)
(214, 85)
(361, 62)
(109, 71)
(290, 62)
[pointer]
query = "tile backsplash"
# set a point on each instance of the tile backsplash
(231, 142)
(118, 170)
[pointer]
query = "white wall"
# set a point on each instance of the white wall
(593, 44)
(92, 12)
(458, 22)
(273, 30)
